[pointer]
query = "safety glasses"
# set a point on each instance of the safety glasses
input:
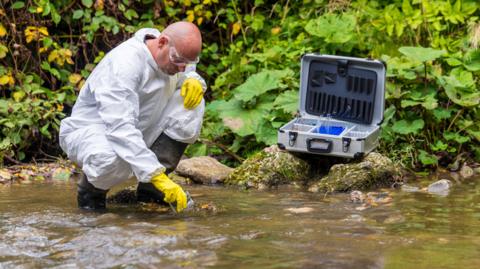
(176, 59)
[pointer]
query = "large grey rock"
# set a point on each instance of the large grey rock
(373, 171)
(268, 168)
(440, 187)
(205, 170)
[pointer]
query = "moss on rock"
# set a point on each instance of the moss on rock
(268, 168)
(374, 171)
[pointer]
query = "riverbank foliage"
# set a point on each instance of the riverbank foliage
(251, 58)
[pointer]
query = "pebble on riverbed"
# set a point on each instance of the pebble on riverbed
(129, 196)
(371, 199)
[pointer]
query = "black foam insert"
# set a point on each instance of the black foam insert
(348, 95)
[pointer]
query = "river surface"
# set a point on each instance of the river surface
(40, 227)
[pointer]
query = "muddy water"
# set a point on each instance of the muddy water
(40, 227)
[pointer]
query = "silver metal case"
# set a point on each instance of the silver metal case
(342, 101)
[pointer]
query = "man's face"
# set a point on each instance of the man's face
(169, 60)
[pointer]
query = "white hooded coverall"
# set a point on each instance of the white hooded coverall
(124, 105)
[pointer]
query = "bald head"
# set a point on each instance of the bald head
(187, 38)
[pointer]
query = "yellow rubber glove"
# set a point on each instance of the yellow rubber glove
(191, 92)
(172, 191)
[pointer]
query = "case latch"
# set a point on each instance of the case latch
(292, 137)
(346, 143)
(342, 67)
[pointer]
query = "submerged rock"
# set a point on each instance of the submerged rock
(466, 171)
(408, 188)
(357, 197)
(373, 171)
(270, 167)
(440, 187)
(204, 170)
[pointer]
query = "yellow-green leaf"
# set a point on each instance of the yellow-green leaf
(74, 78)
(3, 31)
(3, 51)
(18, 96)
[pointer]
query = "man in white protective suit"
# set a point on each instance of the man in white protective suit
(136, 113)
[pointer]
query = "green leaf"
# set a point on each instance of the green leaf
(453, 62)
(427, 100)
(287, 101)
(197, 149)
(44, 130)
(240, 120)
(18, 5)
(77, 14)
(421, 54)
(129, 14)
(5, 144)
(266, 133)
(439, 146)
(61, 97)
(261, 83)
(474, 133)
(407, 127)
(388, 115)
(460, 88)
(426, 158)
(442, 114)
(47, 42)
(472, 60)
(87, 3)
(3, 106)
(455, 137)
(333, 28)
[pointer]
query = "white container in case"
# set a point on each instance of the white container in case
(342, 101)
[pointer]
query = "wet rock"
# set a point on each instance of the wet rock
(373, 171)
(466, 171)
(299, 210)
(476, 170)
(204, 170)
(253, 235)
(394, 219)
(357, 197)
(408, 188)
(268, 168)
(5, 176)
(354, 218)
(441, 187)
(371, 199)
(377, 198)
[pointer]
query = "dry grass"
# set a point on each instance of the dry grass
(475, 35)
(338, 5)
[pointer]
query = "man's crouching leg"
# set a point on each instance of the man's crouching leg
(169, 152)
(89, 197)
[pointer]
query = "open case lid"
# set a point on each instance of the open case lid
(344, 88)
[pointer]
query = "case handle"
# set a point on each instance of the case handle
(342, 67)
(319, 145)
(292, 137)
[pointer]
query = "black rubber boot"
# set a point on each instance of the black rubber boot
(89, 197)
(169, 152)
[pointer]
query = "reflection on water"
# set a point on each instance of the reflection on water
(41, 227)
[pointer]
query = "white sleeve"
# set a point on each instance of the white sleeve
(117, 103)
(190, 73)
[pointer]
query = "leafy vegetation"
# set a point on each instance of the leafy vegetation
(251, 59)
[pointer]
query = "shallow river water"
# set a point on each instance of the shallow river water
(40, 227)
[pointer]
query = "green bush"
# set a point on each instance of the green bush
(251, 60)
